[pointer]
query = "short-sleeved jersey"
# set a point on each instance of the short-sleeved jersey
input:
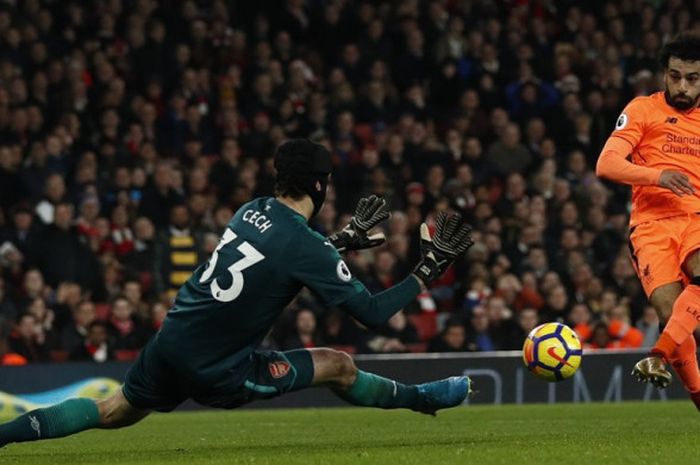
(225, 309)
(662, 138)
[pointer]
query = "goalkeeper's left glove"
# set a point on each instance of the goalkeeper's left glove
(355, 236)
(451, 239)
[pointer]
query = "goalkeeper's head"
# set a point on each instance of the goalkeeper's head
(680, 60)
(303, 168)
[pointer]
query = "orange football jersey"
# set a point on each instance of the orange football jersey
(661, 138)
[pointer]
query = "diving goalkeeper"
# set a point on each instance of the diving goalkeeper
(207, 348)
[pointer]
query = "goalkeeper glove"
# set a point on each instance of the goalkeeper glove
(451, 239)
(355, 236)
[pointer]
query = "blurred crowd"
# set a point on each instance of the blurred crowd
(132, 130)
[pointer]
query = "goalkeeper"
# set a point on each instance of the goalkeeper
(206, 349)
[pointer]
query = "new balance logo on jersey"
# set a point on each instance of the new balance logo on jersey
(671, 120)
(36, 426)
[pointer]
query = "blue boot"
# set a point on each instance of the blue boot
(445, 393)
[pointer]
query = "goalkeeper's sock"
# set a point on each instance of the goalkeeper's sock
(57, 421)
(370, 390)
(683, 321)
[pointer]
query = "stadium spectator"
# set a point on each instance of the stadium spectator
(158, 312)
(27, 339)
(8, 310)
(7, 356)
(96, 347)
(133, 291)
(126, 329)
(528, 319)
(177, 252)
(339, 330)
(501, 120)
(479, 336)
(599, 337)
(45, 320)
(451, 339)
(33, 287)
(305, 335)
(75, 332)
(648, 324)
(503, 326)
(400, 329)
(141, 259)
(24, 233)
(383, 274)
(61, 256)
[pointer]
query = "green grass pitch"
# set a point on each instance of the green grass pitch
(563, 434)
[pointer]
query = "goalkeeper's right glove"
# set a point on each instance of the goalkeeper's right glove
(355, 236)
(451, 239)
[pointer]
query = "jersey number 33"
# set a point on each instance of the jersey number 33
(250, 257)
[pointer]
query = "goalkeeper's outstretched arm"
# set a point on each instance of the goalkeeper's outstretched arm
(375, 310)
(438, 252)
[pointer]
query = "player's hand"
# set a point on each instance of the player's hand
(676, 182)
(451, 239)
(355, 236)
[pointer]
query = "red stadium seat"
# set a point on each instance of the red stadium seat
(126, 355)
(365, 133)
(102, 312)
(347, 349)
(146, 280)
(425, 323)
(417, 348)
(58, 355)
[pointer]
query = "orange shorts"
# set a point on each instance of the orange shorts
(660, 247)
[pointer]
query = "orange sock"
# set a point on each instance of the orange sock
(683, 321)
(685, 362)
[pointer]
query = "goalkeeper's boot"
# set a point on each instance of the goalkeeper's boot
(445, 393)
(652, 369)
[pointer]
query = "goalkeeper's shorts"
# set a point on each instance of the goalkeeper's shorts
(153, 383)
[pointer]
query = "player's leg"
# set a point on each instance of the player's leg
(653, 368)
(684, 360)
(663, 298)
(655, 249)
(338, 371)
(117, 412)
(686, 313)
(70, 417)
(269, 374)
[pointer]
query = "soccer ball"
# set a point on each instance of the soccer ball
(552, 352)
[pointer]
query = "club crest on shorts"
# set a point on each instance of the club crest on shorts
(278, 369)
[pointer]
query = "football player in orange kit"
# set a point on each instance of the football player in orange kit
(655, 147)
